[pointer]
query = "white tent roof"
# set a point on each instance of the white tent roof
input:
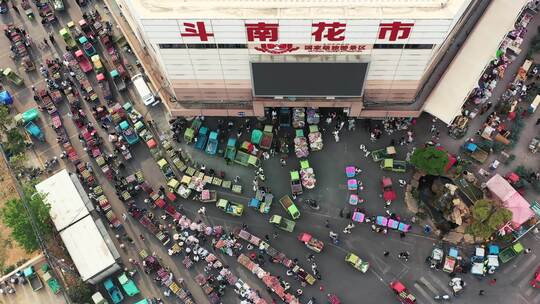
(87, 248)
(68, 203)
(447, 98)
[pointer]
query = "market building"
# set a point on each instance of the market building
(238, 58)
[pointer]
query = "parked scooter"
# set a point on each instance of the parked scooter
(311, 203)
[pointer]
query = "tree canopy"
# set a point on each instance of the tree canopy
(15, 142)
(14, 215)
(430, 159)
(80, 292)
(488, 218)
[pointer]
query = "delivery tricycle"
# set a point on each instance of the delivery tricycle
(12, 76)
(404, 296)
(311, 242)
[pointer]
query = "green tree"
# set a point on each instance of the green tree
(15, 142)
(17, 162)
(80, 292)
(14, 215)
(5, 119)
(479, 229)
(430, 159)
(499, 218)
(482, 209)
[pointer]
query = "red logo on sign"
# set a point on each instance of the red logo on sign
(277, 49)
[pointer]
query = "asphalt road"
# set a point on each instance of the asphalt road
(331, 193)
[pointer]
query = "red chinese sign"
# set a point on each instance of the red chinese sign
(397, 30)
(331, 31)
(334, 48)
(197, 29)
(285, 48)
(264, 32)
(323, 31)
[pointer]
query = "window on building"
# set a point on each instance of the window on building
(388, 46)
(172, 46)
(232, 46)
(419, 46)
(202, 46)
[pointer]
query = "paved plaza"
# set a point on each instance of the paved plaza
(330, 192)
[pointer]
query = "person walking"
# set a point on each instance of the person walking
(538, 122)
(51, 38)
(481, 292)
(386, 253)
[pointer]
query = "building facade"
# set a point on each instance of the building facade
(239, 57)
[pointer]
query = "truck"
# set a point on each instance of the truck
(114, 292)
(128, 285)
(289, 206)
(381, 154)
(391, 164)
(117, 80)
(104, 86)
(356, 262)
(211, 147)
(282, 223)
(476, 153)
(510, 252)
(98, 298)
(32, 278)
(165, 168)
(311, 242)
(83, 61)
(296, 184)
(245, 159)
(66, 35)
(232, 208)
(268, 136)
(230, 152)
(202, 137)
(129, 133)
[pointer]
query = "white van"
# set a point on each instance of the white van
(144, 91)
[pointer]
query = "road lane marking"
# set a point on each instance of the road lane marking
(377, 261)
(445, 287)
(536, 299)
(524, 300)
(423, 293)
(429, 286)
(518, 271)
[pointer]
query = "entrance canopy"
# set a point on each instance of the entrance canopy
(308, 79)
(460, 78)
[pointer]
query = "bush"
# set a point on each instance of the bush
(481, 210)
(8, 269)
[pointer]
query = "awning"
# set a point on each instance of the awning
(447, 98)
(340, 79)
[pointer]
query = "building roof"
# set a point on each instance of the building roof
(460, 78)
(67, 199)
(282, 9)
(87, 248)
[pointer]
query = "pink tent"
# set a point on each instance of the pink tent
(511, 199)
(521, 209)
